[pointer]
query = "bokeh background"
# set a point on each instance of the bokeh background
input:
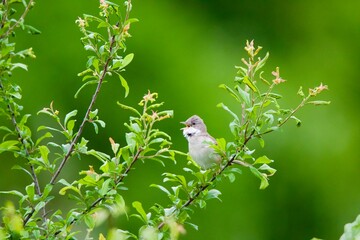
(184, 50)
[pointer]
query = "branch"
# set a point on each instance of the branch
(231, 161)
(100, 199)
(24, 144)
(21, 19)
(202, 188)
(85, 119)
(287, 118)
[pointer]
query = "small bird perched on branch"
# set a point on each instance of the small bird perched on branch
(200, 143)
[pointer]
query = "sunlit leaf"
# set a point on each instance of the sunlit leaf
(124, 84)
(69, 115)
(248, 82)
(138, 206)
(128, 108)
(264, 181)
(228, 110)
(262, 160)
(9, 146)
(232, 92)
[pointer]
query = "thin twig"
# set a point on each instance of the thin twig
(100, 199)
(231, 161)
(12, 27)
(286, 119)
(85, 119)
(24, 143)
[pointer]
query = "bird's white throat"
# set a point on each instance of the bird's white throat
(190, 131)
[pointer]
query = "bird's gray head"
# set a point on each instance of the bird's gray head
(196, 122)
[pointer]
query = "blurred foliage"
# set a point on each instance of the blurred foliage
(183, 50)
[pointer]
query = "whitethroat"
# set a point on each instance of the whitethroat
(200, 143)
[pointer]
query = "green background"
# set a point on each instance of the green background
(184, 50)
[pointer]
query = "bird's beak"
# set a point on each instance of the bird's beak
(186, 126)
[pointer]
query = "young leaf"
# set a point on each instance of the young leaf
(262, 62)
(262, 160)
(298, 121)
(124, 84)
(264, 182)
(232, 92)
(319, 102)
(129, 108)
(213, 193)
(244, 95)
(69, 115)
(9, 146)
(247, 81)
(127, 59)
(138, 206)
(228, 110)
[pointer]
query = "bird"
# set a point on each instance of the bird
(200, 141)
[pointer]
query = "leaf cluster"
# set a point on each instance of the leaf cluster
(98, 194)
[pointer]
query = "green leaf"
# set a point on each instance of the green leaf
(84, 85)
(131, 141)
(105, 187)
(300, 92)
(17, 167)
(202, 203)
(24, 119)
(232, 92)
(127, 59)
(129, 108)
(262, 160)
(213, 193)
(261, 142)
(298, 121)
(89, 221)
(244, 95)
(138, 206)
(39, 206)
(30, 191)
(161, 188)
(264, 182)
(44, 152)
(247, 81)
(267, 168)
(46, 191)
(93, 114)
(32, 30)
(70, 126)
(13, 192)
(18, 65)
(262, 62)
(221, 142)
(124, 84)
(228, 110)
(9, 146)
(69, 115)
(231, 177)
(46, 135)
(317, 103)
(99, 155)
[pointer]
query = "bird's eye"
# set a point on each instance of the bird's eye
(193, 123)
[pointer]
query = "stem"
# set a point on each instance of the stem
(24, 144)
(295, 110)
(85, 119)
(97, 201)
(11, 28)
(231, 161)
(287, 118)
